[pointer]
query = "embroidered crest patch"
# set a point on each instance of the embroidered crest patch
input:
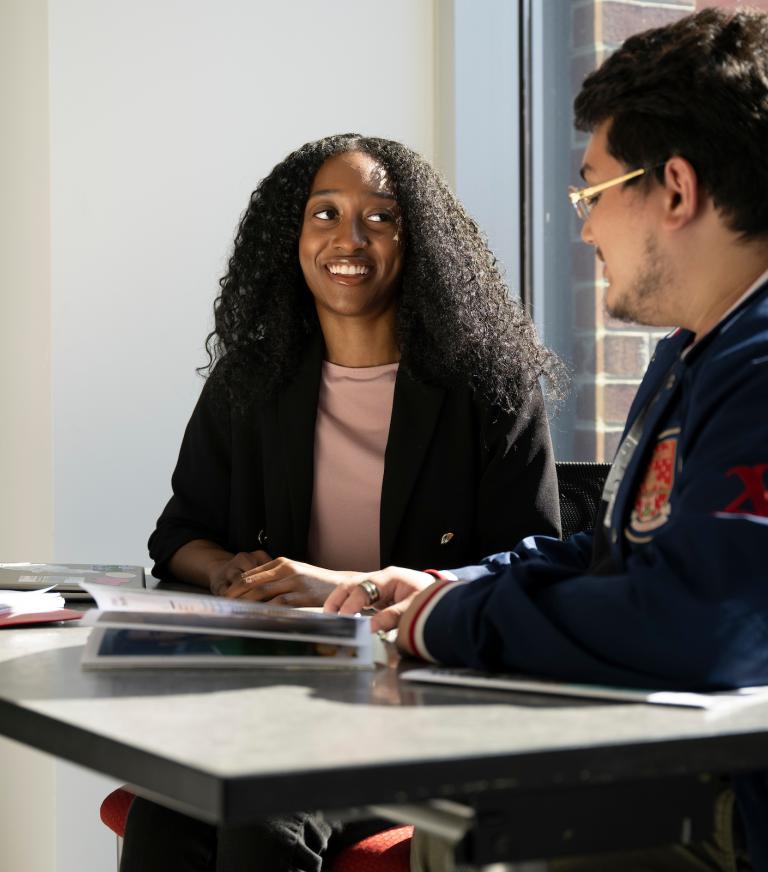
(652, 507)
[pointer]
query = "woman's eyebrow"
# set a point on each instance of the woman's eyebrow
(384, 195)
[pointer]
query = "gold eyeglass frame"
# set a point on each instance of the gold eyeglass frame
(580, 196)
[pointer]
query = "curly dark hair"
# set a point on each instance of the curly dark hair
(456, 321)
(697, 88)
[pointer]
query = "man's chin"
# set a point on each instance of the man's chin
(618, 309)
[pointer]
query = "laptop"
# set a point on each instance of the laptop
(65, 578)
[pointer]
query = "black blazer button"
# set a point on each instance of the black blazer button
(446, 538)
(262, 538)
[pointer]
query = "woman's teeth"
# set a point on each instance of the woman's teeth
(348, 269)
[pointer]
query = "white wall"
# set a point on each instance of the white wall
(163, 116)
(27, 795)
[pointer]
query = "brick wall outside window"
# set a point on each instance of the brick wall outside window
(610, 356)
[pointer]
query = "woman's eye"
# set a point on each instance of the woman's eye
(380, 217)
(592, 201)
(325, 214)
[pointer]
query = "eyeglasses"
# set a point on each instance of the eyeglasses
(583, 199)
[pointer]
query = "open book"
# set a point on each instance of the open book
(719, 701)
(153, 628)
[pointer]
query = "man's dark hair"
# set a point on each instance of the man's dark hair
(456, 321)
(697, 88)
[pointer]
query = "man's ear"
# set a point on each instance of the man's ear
(682, 197)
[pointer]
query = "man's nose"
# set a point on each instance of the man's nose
(586, 232)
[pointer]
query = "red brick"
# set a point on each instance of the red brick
(610, 442)
(625, 356)
(617, 399)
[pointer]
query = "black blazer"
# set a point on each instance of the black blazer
(452, 465)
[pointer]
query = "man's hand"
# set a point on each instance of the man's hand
(398, 588)
(289, 582)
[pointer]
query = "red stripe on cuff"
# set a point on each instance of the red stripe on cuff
(435, 573)
(412, 629)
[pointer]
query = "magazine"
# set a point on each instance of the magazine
(716, 701)
(156, 628)
(68, 578)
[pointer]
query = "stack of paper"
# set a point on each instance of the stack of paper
(33, 607)
(154, 628)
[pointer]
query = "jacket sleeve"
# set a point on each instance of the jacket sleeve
(517, 491)
(200, 505)
(689, 609)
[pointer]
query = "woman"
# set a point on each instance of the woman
(319, 291)
(373, 399)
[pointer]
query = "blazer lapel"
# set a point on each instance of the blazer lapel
(415, 411)
(296, 414)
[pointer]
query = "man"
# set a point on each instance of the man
(671, 587)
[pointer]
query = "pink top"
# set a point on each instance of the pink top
(354, 409)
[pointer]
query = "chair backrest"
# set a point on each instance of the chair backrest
(580, 486)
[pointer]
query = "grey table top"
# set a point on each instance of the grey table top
(230, 745)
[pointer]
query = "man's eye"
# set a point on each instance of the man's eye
(325, 214)
(591, 202)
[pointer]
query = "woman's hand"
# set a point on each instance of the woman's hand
(397, 588)
(290, 583)
(225, 572)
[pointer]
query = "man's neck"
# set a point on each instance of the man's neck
(719, 282)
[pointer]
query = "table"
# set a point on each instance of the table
(231, 745)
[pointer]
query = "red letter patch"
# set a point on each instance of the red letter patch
(753, 500)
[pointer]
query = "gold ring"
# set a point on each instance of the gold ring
(374, 594)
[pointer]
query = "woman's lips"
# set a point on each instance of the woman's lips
(348, 273)
(348, 269)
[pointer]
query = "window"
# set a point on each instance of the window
(517, 67)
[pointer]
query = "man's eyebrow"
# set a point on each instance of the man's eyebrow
(585, 168)
(383, 195)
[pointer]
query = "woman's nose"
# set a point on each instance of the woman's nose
(350, 234)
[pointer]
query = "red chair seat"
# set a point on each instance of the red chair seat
(388, 851)
(114, 810)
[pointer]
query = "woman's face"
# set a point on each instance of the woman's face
(351, 243)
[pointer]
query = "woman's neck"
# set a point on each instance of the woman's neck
(358, 342)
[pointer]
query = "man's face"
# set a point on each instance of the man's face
(622, 225)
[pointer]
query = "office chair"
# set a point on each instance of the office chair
(579, 488)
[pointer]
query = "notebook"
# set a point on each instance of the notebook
(716, 701)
